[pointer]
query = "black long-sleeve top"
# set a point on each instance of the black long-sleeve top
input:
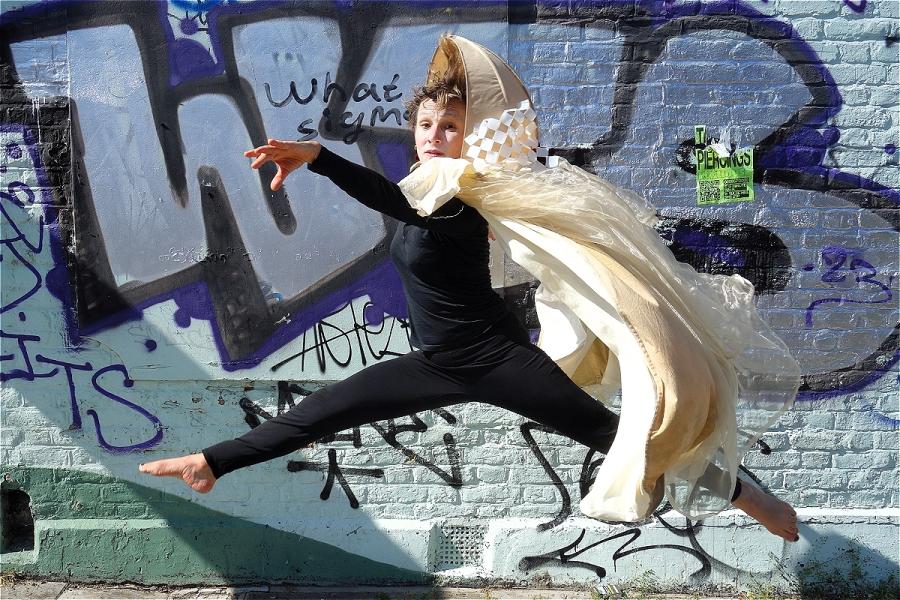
(442, 259)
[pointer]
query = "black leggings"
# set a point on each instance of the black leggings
(502, 368)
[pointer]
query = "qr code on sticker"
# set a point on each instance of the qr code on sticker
(707, 192)
(736, 189)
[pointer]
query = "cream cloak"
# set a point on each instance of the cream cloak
(701, 375)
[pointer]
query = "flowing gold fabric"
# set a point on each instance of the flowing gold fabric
(701, 375)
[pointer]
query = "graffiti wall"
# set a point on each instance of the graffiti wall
(157, 297)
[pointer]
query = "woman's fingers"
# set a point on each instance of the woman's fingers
(278, 179)
(287, 156)
(284, 144)
(267, 149)
(260, 161)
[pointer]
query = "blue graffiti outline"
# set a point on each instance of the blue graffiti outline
(835, 257)
(11, 196)
(858, 8)
(128, 382)
(50, 220)
(775, 152)
(28, 375)
(73, 399)
(198, 5)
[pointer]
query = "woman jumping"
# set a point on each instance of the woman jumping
(469, 346)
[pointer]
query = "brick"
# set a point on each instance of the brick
(398, 475)
(863, 480)
(868, 421)
(553, 32)
(823, 480)
(884, 53)
(600, 31)
(840, 219)
(424, 476)
(861, 441)
(444, 495)
(128, 511)
(864, 499)
(37, 437)
(815, 440)
(820, 9)
(499, 456)
(573, 454)
(493, 437)
(816, 498)
(10, 436)
(885, 440)
(540, 495)
(492, 474)
(537, 475)
(777, 441)
(819, 420)
(816, 448)
(549, 52)
(404, 494)
(855, 53)
(56, 457)
(815, 460)
(10, 457)
(775, 460)
(859, 118)
(854, 31)
(490, 494)
(809, 28)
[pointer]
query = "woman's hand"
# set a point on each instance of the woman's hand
(288, 157)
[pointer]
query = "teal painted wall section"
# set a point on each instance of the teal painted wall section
(157, 298)
(92, 527)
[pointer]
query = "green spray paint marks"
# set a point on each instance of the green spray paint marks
(92, 527)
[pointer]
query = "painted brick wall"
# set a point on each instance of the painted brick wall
(156, 298)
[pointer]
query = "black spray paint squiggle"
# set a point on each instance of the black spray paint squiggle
(389, 431)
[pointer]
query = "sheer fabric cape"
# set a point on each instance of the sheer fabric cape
(701, 375)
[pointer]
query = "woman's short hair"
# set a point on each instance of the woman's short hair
(442, 88)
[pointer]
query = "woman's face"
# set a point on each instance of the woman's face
(439, 130)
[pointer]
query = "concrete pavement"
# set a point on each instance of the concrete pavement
(56, 590)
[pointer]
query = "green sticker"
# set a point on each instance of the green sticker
(699, 135)
(723, 179)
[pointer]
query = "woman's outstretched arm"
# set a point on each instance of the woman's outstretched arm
(368, 187)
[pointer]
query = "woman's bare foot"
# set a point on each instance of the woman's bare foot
(775, 515)
(192, 469)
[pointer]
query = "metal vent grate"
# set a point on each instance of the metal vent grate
(459, 546)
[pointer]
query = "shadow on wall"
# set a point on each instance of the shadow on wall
(834, 567)
(174, 536)
(66, 522)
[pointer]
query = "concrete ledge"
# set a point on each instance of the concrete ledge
(672, 554)
(668, 554)
(214, 551)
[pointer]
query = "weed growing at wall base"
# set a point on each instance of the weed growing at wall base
(841, 578)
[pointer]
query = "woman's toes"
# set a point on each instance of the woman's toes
(159, 468)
